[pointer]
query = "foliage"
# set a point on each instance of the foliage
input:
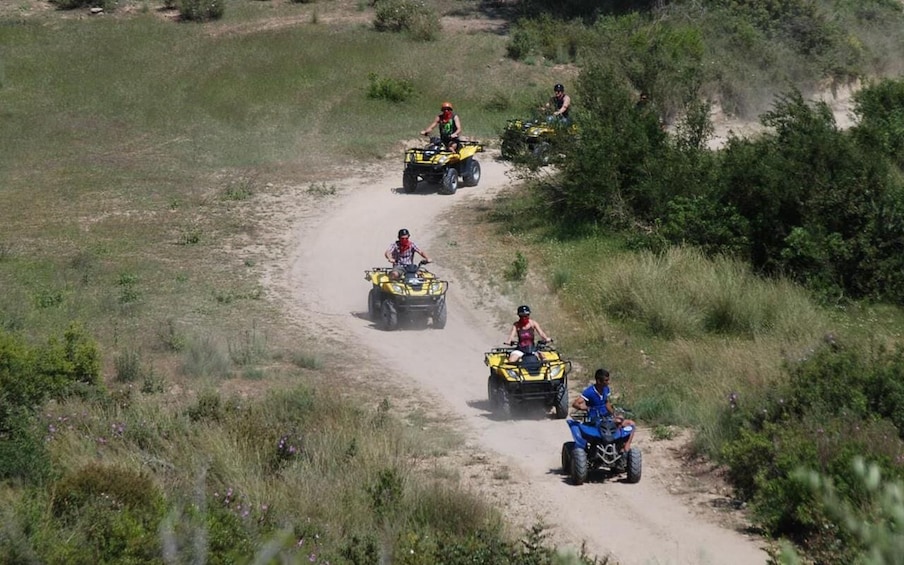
(517, 271)
(610, 168)
(873, 522)
(389, 89)
(30, 375)
(840, 404)
(556, 41)
(415, 18)
(116, 512)
(201, 10)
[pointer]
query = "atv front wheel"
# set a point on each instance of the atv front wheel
(450, 181)
(579, 468)
(562, 402)
(373, 304)
(389, 315)
(567, 448)
(471, 176)
(542, 152)
(635, 465)
(439, 315)
(409, 181)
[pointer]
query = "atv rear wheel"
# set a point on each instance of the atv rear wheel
(567, 448)
(409, 181)
(635, 465)
(471, 176)
(439, 315)
(579, 468)
(562, 402)
(373, 304)
(450, 181)
(389, 315)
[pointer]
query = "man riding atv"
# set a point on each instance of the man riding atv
(401, 252)
(449, 127)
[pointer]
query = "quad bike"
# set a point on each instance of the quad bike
(529, 380)
(436, 164)
(416, 294)
(535, 141)
(598, 444)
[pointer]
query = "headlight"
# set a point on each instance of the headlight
(396, 288)
(442, 160)
(436, 288)
(554, 371)
(513, 374)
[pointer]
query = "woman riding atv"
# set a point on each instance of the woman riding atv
(524, 331)
(449, 127)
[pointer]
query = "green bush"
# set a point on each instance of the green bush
(30, 375)
(415, 18)
(112, 513)
(390, 89)
(23, 454)
(839, 404)
(201, 10)
(554, 40)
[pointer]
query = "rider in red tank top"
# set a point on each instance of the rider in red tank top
(525, 331)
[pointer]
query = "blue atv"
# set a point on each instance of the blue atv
(598, 444)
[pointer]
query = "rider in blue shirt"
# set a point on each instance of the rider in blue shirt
(595, 401)
(595, 398)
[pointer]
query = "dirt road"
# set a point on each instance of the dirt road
(637, 524)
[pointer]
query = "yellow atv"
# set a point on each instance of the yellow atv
(436, 164)
(406, 292)
(532, 379)
(536, 141)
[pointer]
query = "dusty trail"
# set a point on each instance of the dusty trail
(637, 524)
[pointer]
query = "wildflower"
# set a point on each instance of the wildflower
(300, 542)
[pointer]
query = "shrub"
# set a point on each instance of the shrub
(517, 271)
(201, 10)
(390, 89)
(113, 513)
(413, 17)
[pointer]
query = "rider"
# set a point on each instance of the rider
(449, 126)
(595, 401)
(561, 102)
(401, 252)
(523, 334)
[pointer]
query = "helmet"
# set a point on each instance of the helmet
(559, 88)
(403, 233)
(524, 310)
(446, 105)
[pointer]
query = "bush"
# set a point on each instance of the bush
(413, 17)
(390, 89)
(839, 404)
(201, 10)
(30, 375)
(114, 514)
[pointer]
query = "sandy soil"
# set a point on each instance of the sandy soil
(670, 517)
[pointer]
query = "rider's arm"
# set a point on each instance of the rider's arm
(580, 403)
(540, 331)
(457, 131)
(431, 126)
(566, 102)
(388, 253)
(513, 334)
(421, 252)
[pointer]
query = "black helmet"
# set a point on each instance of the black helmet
(403, 232)
(524, 310)
(559, 88)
